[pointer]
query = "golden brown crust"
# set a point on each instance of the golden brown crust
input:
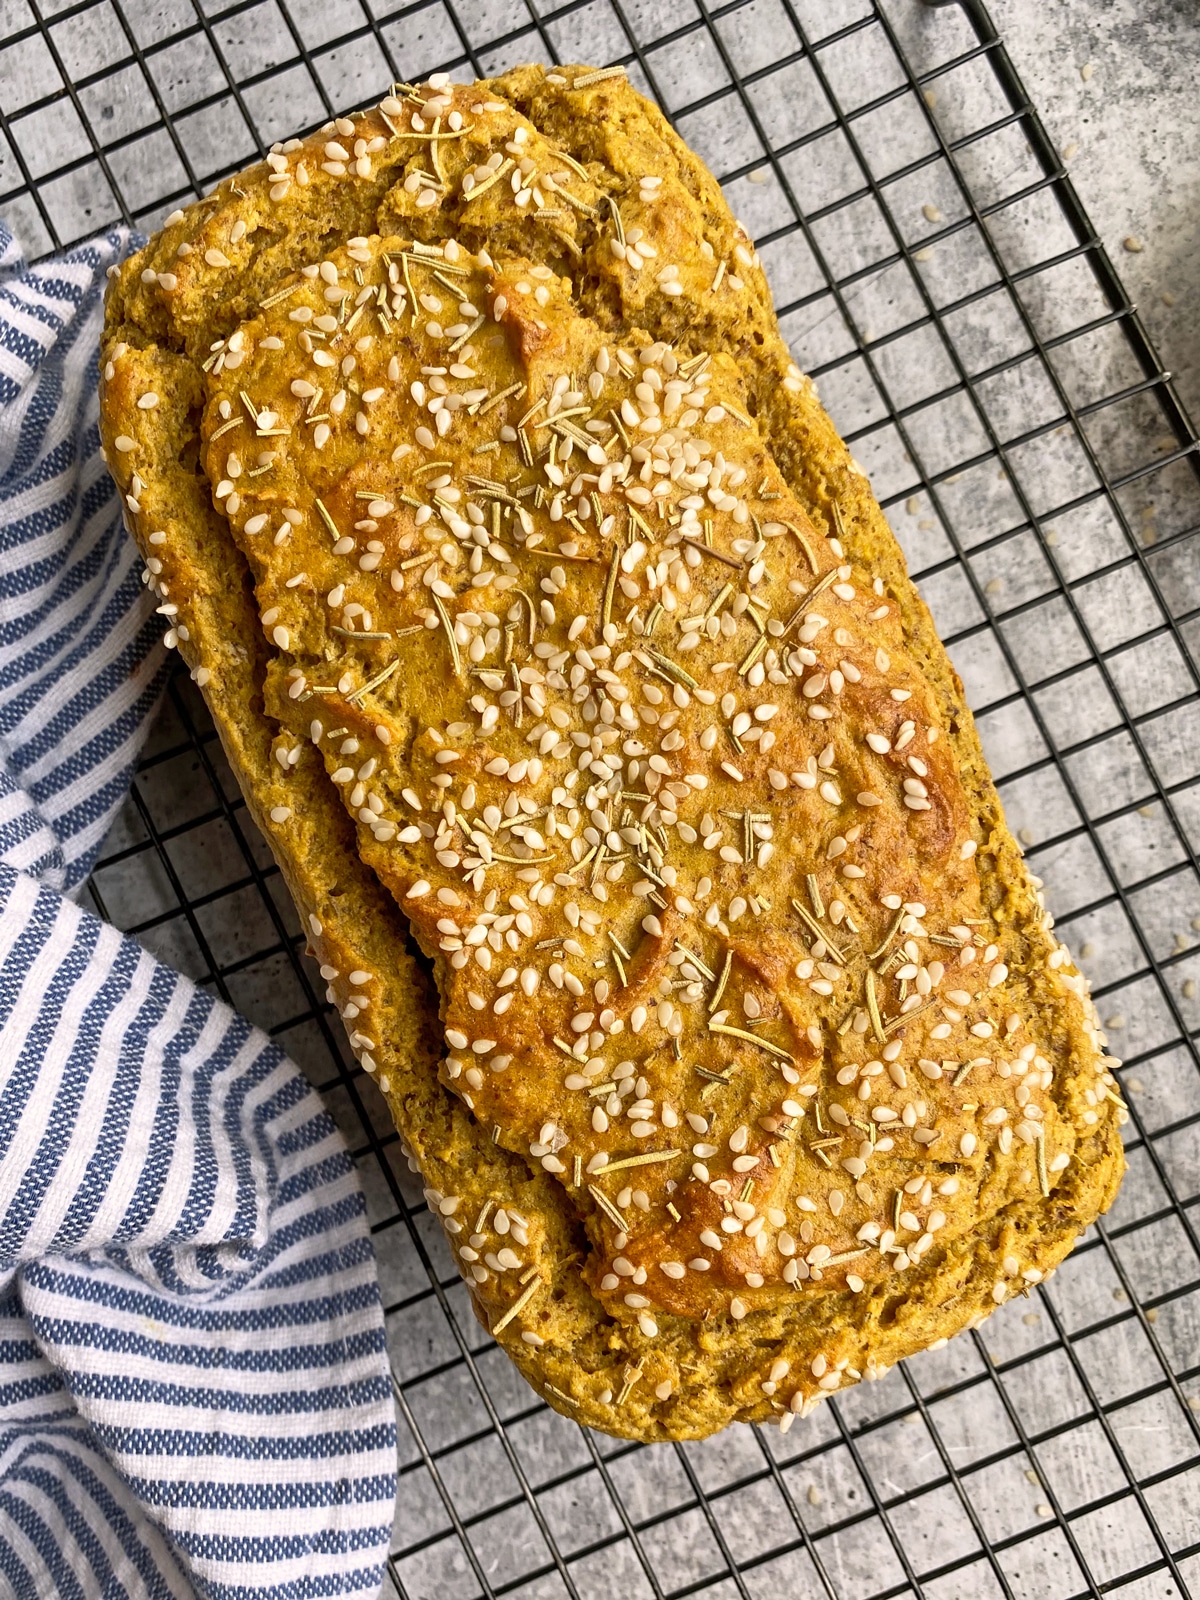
(541, 610)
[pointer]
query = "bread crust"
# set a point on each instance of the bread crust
(749, 1063)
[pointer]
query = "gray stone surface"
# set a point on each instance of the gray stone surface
(1116, 80)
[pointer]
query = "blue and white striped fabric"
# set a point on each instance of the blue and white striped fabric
(194, 1387)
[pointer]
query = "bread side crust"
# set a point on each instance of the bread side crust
(717, 1373)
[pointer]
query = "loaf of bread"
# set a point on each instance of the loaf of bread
(545, 619)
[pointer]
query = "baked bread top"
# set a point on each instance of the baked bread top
(580, 633)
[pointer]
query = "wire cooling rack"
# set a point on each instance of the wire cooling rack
(935, 271)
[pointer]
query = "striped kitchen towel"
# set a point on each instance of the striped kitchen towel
(194, 1387)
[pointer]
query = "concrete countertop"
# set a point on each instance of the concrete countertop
(1115, 82)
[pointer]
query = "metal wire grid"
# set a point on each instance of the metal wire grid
(983, 360)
